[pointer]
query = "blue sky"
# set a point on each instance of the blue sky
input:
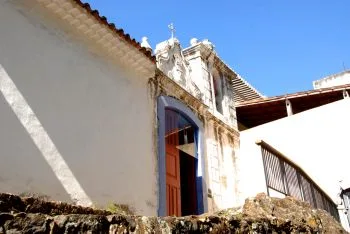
(277, 46)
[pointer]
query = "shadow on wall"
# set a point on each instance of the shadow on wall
(41, 139)
(82, 151)
(50, 153)
(47, 149)
(68, 110)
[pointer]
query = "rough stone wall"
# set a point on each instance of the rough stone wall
(261, 214)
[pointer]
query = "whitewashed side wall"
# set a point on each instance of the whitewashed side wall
(98, 118)
(250, 167)
(316, 140)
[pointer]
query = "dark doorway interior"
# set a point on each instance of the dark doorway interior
(188, 184)
(188, 165)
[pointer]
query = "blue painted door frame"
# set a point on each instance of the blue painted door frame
(165, 102)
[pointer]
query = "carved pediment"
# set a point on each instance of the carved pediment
(171, 62)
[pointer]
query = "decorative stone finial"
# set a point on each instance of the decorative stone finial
(194, 41)
(145, 44)
(208, 43)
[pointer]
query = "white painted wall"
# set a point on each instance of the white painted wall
(317, 140)
(99, 117)
(333, 80)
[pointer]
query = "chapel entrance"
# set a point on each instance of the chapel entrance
(181, 165)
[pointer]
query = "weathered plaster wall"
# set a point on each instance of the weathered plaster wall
(98, 115)
(221, 166)
(201, 72)
(316, 140)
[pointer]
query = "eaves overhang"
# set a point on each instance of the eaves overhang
(109, 41)
(263, 110)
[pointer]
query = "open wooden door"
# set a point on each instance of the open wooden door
(173, 189)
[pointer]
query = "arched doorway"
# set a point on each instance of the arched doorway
(180, 160)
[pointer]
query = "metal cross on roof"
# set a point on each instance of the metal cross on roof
(172, 29)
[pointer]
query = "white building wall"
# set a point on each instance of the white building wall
(250, 167)
(333, 80)
(99, 117)
(317, 140)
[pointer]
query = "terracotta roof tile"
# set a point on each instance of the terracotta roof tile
(120, 32)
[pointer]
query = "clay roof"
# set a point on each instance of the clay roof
(263, 110)
(120, 32)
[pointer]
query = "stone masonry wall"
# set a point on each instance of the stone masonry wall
(258, 215)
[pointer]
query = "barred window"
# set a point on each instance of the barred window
(287, 178)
